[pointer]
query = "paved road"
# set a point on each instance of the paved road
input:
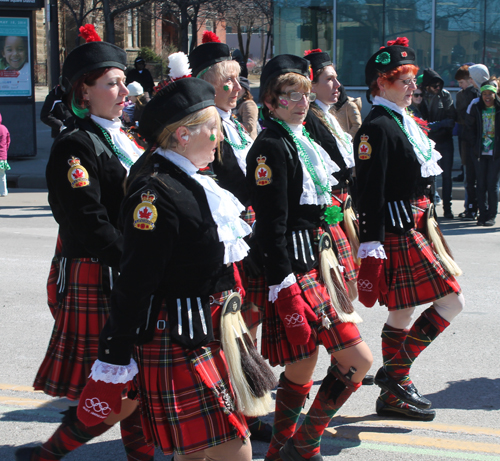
(460, 373)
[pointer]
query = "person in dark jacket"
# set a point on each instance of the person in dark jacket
(483, 135)
(85, 174)
(142, 75)
(439, 111)
(468, 92)
(54, 112)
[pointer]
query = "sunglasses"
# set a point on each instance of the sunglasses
(436, 85)
(417, 95)
(296, 96)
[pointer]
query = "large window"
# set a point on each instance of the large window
(459, 36)
(465, 31)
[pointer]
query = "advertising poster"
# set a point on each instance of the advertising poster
(15, 67)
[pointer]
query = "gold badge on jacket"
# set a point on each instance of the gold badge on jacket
(364, 149)
(263, 174)
(145, 213)
(78, 176)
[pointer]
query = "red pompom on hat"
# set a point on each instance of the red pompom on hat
(89, 34)
(400, 41)
(307, 52)
(210, 37)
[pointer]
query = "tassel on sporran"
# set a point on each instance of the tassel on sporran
(250, 379)
(332, 277)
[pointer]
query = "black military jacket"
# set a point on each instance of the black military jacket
(85, 183)
(274, 176)
(388, 173)
(171, 252)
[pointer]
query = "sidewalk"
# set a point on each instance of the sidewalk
(29, 173)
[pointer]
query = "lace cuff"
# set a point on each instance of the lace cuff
(372, 249)
(114, 374)
(275, 289)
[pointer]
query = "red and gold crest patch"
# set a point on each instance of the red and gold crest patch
(263, 174)
(364, 149)
(78, 176)
(145, 213)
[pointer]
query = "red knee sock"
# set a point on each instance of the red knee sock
(290, 399)
(133, 439)
(425, 330)
(332, 394)
(70, 435)
(392, 338)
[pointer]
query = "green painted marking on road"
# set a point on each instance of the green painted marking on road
(407, 449)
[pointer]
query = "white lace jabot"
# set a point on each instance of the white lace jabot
(428, 167)
(224, 206)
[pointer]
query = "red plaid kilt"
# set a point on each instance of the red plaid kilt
(248, 216)
(178, 393)
(79, 319)
(414, 274)
(275, 345)
(343, 246)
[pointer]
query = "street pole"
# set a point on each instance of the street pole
(51, 27)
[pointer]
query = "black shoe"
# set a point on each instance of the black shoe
(410, 412)
(448, 215)
(468, 216)
(480, 223)
(261, 431)
(368, 380)
(288, 452)
(489, 222)
(459, 178)
(408, 394)
(24, 454)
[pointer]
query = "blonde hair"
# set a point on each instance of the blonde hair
(221, 71)
(275, 87)
(193, 122)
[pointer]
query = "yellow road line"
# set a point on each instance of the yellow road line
(23, 402)
(433, 442)
(15, 387)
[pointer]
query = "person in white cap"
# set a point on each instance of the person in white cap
(479, 74)
(138, 101)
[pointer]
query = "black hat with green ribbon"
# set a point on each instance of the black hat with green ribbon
(396, 53)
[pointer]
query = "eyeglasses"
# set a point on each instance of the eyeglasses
(417, 95)
(296, 96)
(408, 81)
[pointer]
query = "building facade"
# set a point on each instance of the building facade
(444, 33)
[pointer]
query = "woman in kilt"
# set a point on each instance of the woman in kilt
(405, 262)
(182, 233)
(326, 131)
(290, 178)
(85, 175)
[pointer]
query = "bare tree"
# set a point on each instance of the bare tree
(80, 10)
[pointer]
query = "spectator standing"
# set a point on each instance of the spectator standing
(54, 112)
(483, 135)
(4, 166)
(347, 111)
(438, 109)
(416, 102)
(139, 99)
(467, 93)
(142, 75)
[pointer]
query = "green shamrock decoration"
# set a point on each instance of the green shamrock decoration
(383, 58)
(333, 214)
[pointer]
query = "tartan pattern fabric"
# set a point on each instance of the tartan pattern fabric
(332, 394)
(290, 399)
(425, 330)
(66, 438)
(275, 345)
(414, 274)
(392, 338)
(255, 301)
(248, 216)
(186, 398)
(53, 276)
(80, 318)
(344, 252)
(133, 439)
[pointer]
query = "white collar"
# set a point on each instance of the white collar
(177, 159)
(324, 107)
(380, 101)
(110, 125)
(224, 115)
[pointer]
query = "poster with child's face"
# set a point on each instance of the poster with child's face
(15, 69)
